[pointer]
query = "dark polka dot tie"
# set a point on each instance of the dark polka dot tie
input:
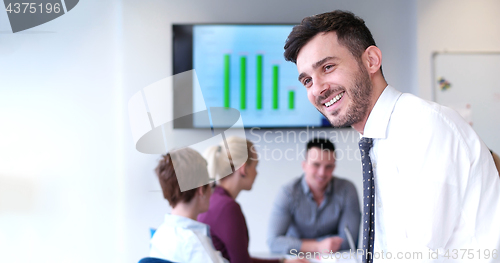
(365, 144)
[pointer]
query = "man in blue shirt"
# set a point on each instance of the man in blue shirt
(311, 212)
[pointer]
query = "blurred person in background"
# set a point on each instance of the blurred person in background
(311, 212)
(181, 238)
(225, 218)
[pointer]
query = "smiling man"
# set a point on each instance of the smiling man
(311, 212)
(430, 186)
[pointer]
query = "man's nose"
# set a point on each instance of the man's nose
(321, 170)
(319, 86)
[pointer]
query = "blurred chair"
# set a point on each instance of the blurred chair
(154, 260)
(152, 231)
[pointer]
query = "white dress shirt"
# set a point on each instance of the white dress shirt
(437, 188)
(182, 240)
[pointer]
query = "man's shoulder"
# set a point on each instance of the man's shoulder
(417, 112)
(293, 185)
(342, 185)
(411, 104)
(427, 121)
(342, 182)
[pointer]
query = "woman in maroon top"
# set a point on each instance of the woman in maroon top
(224, 216)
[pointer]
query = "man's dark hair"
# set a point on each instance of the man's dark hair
(351, 33)
(321, 143)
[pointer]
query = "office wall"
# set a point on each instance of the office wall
(72, 186)
(447, 25)
(147, 58)
(61, 126)
(458, 26)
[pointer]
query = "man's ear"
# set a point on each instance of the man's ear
(372, 59)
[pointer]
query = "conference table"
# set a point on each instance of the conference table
(339, 257)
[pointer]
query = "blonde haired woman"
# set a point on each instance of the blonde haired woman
(224, 216)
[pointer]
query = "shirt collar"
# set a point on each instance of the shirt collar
(307, 190)
(187, 223)
(378, 120)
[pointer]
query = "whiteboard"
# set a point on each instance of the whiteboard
(469, 82)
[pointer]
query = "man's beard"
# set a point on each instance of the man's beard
(360, 95)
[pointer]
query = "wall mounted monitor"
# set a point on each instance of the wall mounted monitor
(240, 66)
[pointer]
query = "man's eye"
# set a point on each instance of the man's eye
(330, 66)
(306, 82)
